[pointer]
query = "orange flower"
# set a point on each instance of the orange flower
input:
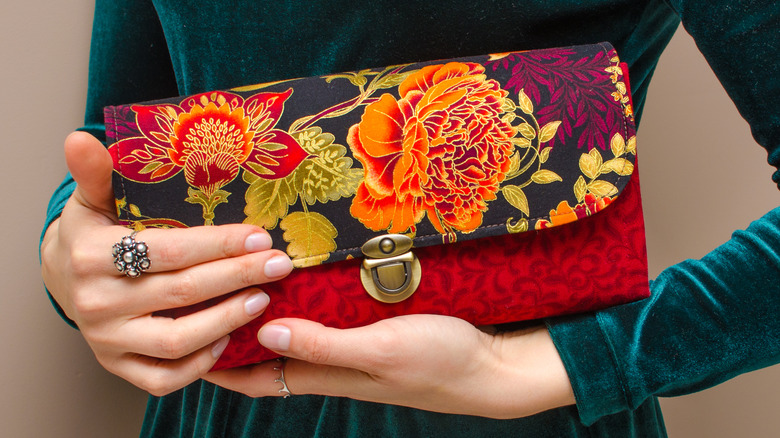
(441, 149)
(565, 214)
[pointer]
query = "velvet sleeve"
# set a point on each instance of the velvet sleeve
(143, 71)
(708, 320)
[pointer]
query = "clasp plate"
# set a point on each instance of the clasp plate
(390, 272)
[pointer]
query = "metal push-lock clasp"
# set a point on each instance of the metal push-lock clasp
(390, 272)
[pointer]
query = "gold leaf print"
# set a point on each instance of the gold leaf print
(267, 200)
(508, 106)
(514, 165)
(548, 131)
(327, 175)
(134, 210)
(602, 189)
(588, 166)
(580, 189)
(545, 176)
(621, 166)
(631, 146)
(526, 105)
(544, 155)
(515, 196)
(618, 145)
(392, 80)
(521, 142)
(596, 157)
(527, 131)
(357, 79)
(311, 237)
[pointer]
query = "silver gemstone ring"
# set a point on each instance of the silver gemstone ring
(130, 257)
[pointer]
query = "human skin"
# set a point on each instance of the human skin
(430, 362)
(116, 314)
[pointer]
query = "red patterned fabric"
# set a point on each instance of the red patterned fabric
(596, 262)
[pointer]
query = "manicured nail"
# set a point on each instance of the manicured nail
(277, 266)
(258, 242)
(219, 347)
(275, 337)
(256, 303)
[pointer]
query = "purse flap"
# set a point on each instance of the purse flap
(440, 151)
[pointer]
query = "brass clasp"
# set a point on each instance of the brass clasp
(390, 272)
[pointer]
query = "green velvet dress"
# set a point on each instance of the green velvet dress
(707, 320)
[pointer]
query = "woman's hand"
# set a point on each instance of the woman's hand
(429, 362)
(115, 313)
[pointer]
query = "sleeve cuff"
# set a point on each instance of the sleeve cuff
(54, 210)
(590, 362)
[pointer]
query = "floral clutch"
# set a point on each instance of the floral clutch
(493, 188)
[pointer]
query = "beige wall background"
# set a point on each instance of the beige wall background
(702, 177)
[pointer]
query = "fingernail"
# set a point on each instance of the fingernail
(256, 303)
(258, 242)
(219, 347)
(278, 266)
(275, 337)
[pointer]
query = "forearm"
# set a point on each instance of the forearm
(708, 320)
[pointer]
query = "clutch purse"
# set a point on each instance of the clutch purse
(495, 188)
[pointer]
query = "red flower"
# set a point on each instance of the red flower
(442, 149)
(210, 136)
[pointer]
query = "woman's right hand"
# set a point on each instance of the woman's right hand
(116, 314)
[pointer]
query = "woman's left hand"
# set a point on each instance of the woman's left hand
(429, 362)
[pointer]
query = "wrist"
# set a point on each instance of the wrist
(530, 376)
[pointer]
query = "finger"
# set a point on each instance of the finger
(160, 377)
(313, 342)
(90, 164)
(264, 380)
(321, 360)
(383, 347)
(179, 248)
(254, 380)
(174, 289)
(168, 338)
(168, 250)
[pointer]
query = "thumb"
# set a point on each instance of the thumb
(313, 342)
(91, 166)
